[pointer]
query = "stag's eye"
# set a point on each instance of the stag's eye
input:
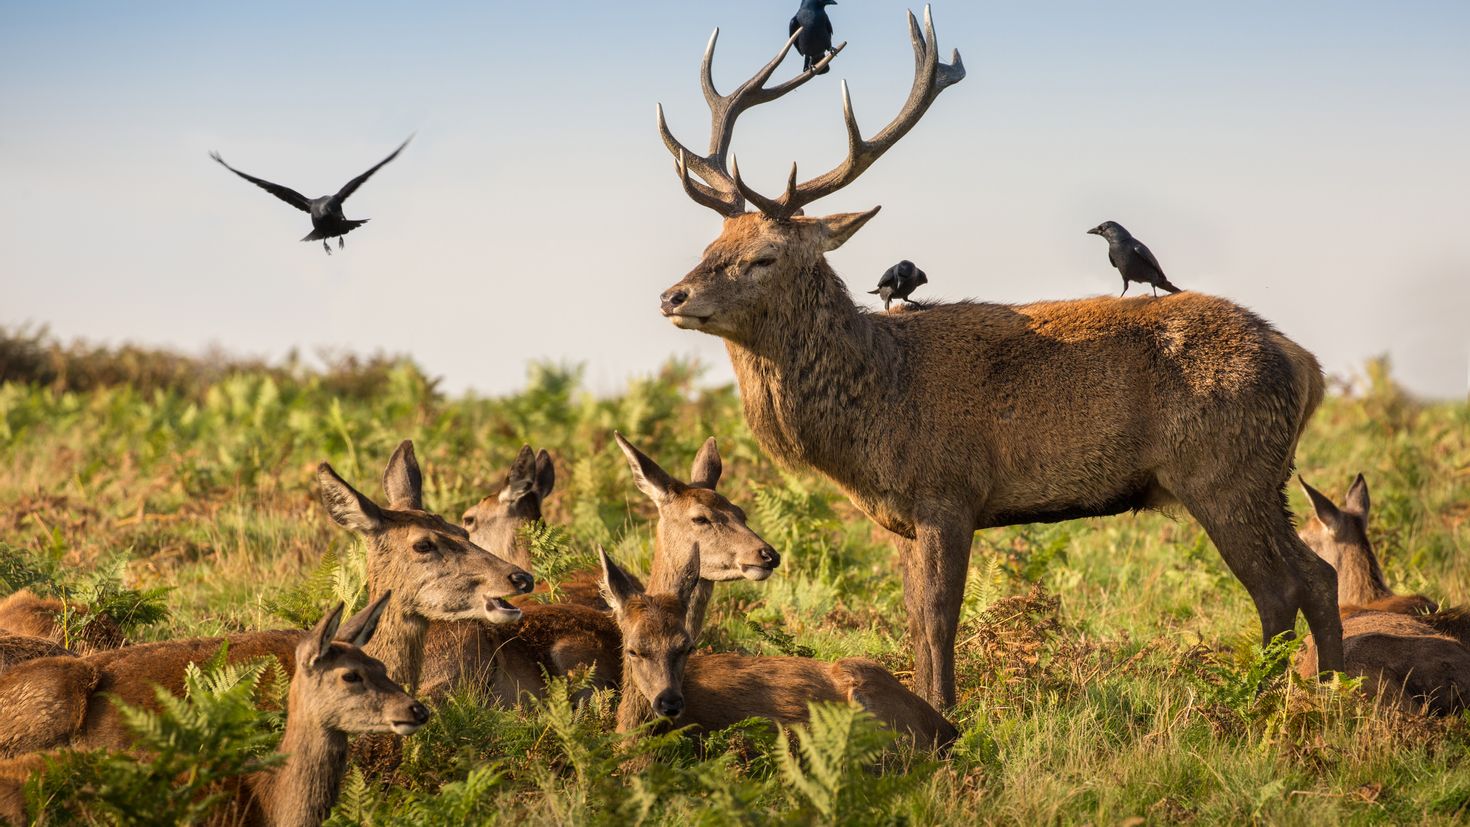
(424, 546)
(764, 261)
(634, 653)
(351, 677)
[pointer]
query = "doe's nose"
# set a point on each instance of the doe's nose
(672, 299)
(770, 557)
(522, 582)
(419, 712)
(669, 704)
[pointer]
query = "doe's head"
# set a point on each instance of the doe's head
(656, 642)
(432, 565)
(693, 515)
(341, 688)
(495, 522)
(1334, 533)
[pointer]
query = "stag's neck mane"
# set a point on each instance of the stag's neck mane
(809, 365)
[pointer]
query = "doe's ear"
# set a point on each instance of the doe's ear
(1356, 501)
(402, 480)
(545, 474)
(348, 508)
(705, 473)
(837, 229)
(320, 639)
(359, 628)
(521, 477)
(617, 587)
(647, 475)
(1325, 509)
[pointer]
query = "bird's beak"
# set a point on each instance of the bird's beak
(1093, 231)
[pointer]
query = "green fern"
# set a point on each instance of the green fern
(826, 773)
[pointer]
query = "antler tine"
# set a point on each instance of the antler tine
(930, 78)
(762, 203)
(721, 190)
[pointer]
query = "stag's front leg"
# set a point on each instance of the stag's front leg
(934, 587)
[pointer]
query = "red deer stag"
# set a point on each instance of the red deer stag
(662, 679)
(1012, 413)
(337, 690)
(430, 565)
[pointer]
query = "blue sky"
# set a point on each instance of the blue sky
(1305, 159)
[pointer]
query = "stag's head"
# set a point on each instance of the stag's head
(343, 689)
(431, 564)
(495, 522)
(656, 641)
(695, 520)
(731, 287)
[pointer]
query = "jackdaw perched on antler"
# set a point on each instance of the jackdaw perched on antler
(327, 220)
(816, 32)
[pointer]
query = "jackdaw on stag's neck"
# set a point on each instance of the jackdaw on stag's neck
(899, 282)
(815, 41)
(1134, 261)
(327, 220)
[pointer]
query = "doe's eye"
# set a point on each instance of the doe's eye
(424, 546)
(351, 677)
(469, 520)
(701, 520)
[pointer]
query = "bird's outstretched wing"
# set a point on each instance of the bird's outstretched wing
(286, 194)
(352, 185)
(1147, 255)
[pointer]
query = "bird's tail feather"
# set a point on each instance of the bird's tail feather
(347, 227)
(1166, 285)
(874, 292)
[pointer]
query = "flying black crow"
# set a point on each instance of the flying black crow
(327, 220)
(899, 281)
(1132, 259)
(816, 32)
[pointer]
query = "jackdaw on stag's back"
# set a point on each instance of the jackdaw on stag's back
(327, 220)
(1133, 260)
(815, 42)
(899, 282)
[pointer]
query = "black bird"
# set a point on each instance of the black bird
(816, 32)
(327, 220)
(1132, 259)
(899, 281)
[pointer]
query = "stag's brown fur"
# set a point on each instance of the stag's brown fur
(970, 415)
(428, 564)
(714, 691)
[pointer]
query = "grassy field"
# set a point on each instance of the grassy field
(1109, 669)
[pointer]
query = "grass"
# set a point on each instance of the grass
(1109, 669)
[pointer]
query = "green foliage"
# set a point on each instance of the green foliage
(827, 774)
(192, 748)
(338, 578)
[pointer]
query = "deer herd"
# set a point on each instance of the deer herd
(1013, 414)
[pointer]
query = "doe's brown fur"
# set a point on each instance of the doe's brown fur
(26, 613)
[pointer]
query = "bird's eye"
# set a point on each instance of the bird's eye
(351, 677)
(701, 520)
(424, 546)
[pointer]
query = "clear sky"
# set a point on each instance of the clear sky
(1307, 159)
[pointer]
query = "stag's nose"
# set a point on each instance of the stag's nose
(669, 704)
(419, 712)
(522, 582)
(769, 557)
(672, 299)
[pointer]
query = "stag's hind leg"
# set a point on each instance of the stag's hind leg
(935, 564)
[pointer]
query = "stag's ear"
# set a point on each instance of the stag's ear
(402, 480)
(545, 474)
(705, 473)
(320, 639)
(522, 476)
(617, 587)
(1356, 501)
(649, 477)
(837, 229)
(348, 508)
(1326, 511)
(359, 628)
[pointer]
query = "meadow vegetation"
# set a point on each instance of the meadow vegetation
(1109, 670)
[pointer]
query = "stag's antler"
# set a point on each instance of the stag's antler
(930, 78)
(718, 189)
